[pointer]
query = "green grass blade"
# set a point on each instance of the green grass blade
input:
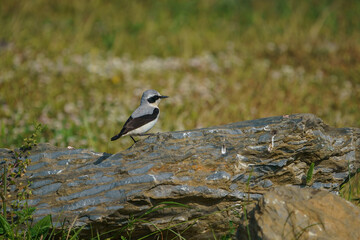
(77, 233)
(309, 174)
(6, 227)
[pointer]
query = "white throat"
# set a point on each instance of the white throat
(155, 104)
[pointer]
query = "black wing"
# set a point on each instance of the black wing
(134, 123)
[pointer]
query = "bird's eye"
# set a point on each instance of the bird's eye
(153, 99)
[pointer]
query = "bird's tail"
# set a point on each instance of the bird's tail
(116, 137)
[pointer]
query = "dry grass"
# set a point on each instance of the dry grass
(80, 67)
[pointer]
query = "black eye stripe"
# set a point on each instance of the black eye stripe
(153, 99)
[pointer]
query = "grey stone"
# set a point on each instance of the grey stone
(233, 186)
(323, 169)
(13, 188)
(244, 178)
(163, 176)
(42, 205)
(255, 196)
(91, 209)
(102, 179)
(341, 175)
(116, 194)
(43, 173)
(219, 193)
(85, 203)
(88, 192)
(265, 183)
(37, 184)
(64, 162)
(54, 155)
(97, 175)
(95, 217)
(265, 138)
(136, 180)
(218, 176)
(36, 166)
(278, 163)
(239, 195)
(73, 184)
(142, 170)
(133, 192)
(113, 208)
(47, 189)
(30, 202)
(83, 177)
(184, 179)
(37, 157)
(43, 211)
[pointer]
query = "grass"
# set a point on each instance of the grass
(80, 67)
(351, 189)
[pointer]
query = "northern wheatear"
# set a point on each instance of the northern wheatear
(144, 117)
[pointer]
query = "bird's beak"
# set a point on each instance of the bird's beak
(163, 96)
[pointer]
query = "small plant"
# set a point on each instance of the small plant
(31, 141)
(16, 168)
(19, 212)
(16, 220)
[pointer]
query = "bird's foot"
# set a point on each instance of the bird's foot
(133, 140)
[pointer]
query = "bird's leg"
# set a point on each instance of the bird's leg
(133, 139)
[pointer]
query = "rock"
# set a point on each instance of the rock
(212, 171)
(288, 212)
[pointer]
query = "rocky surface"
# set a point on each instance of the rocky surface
(209, 170)
(291, 213)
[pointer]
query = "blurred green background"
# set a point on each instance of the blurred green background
(80, 67)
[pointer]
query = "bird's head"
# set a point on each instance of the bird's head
(152, 97)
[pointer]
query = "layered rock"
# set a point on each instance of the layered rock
(208, 170)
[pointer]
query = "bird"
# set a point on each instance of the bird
(144, 117)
